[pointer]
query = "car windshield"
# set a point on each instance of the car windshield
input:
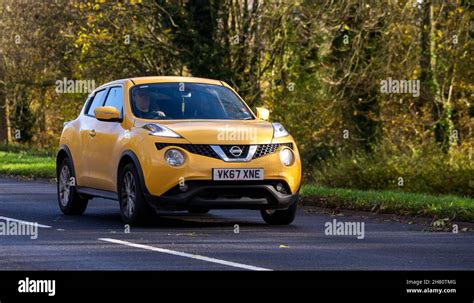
(162, 101)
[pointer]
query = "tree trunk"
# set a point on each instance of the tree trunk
(3, 116)
(430, 92)
(3, 107)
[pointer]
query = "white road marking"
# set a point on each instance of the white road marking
(24, 222)
(186, 255)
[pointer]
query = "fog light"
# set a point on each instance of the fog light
(280, 187)
(174, 157)
(286, 157)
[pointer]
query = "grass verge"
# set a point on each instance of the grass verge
(23, 164)
(386, 201)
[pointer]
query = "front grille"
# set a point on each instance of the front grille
(265, 149)
(207, 151)
(228, 188)
(234, 193)
(226, 149)
(199, 149)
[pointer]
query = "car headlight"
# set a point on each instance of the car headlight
(160, 131)
(174, 157)
(286, 157)
(279, 131)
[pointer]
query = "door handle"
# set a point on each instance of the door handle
(92, 133)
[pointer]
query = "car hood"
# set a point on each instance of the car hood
(221, 131)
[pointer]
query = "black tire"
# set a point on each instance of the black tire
(69, 200)
(279, 217)
(198, 211)
(133, 206)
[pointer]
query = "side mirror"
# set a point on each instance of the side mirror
(262, 113)
(106, 113)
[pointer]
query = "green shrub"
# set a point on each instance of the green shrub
(425, 170)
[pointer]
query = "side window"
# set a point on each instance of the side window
(97, 101)
(114, 98)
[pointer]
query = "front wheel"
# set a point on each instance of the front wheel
(133, 207)
(70, 202)
(279, 217)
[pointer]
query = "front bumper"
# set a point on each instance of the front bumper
(159, 177)
(225, 195)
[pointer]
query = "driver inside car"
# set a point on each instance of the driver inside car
(142, 105)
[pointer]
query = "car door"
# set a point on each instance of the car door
(102, 144)
(87, 133)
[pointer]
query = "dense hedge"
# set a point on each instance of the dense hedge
(426, 171)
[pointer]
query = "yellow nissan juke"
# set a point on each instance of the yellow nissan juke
(176, 143)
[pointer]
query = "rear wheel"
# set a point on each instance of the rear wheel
(133, 207)
(70, 202)
(279, 217)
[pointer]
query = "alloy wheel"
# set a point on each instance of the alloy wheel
(128, 194)
(64, 186)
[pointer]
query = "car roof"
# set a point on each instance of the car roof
(162, 79)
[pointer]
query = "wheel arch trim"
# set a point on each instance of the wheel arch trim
(136, 162)
(64, 148)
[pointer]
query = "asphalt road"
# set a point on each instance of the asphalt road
(180, 241)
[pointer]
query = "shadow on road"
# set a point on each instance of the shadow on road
(163, 220)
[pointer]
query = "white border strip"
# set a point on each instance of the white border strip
(24, 222)
(186, 255)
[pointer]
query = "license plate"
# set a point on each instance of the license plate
(237, 174)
